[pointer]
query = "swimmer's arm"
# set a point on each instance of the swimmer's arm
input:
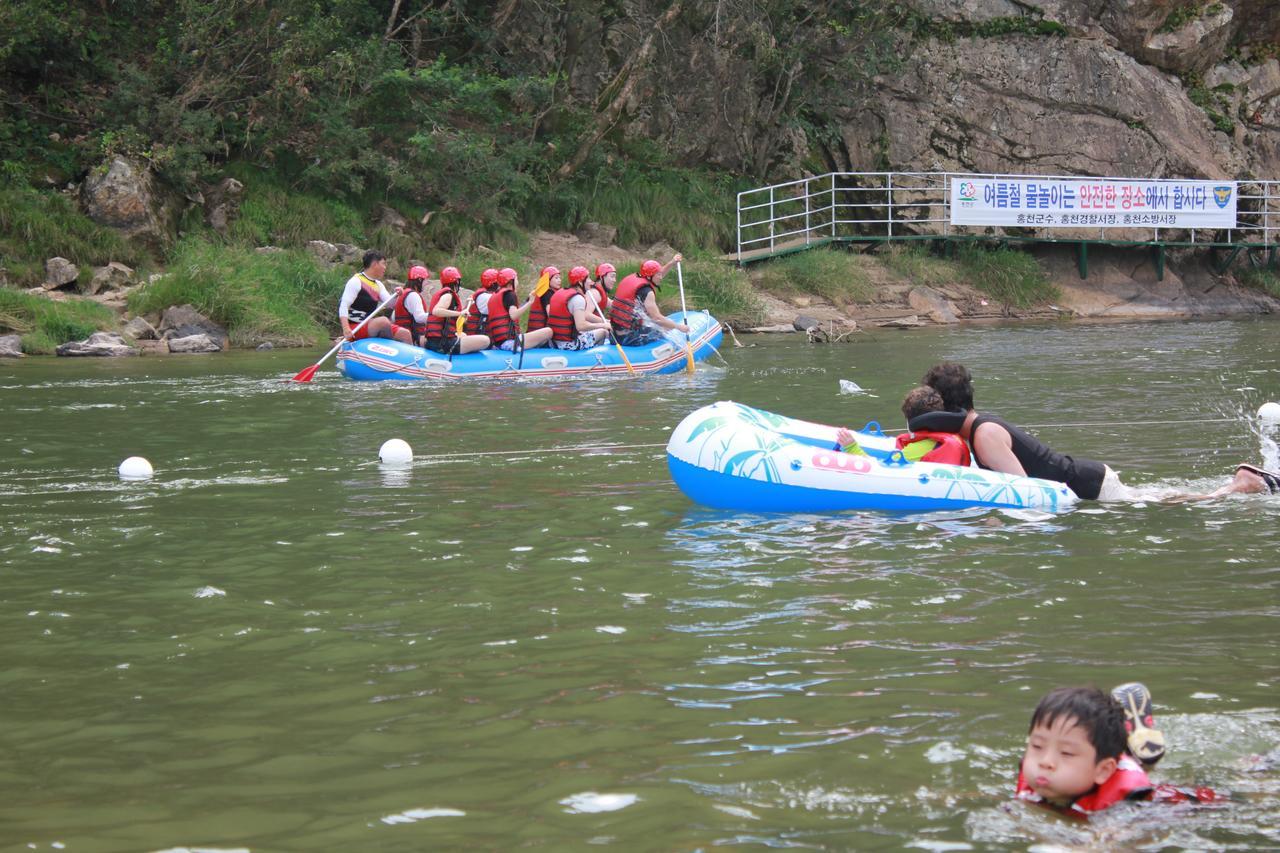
(994, 446)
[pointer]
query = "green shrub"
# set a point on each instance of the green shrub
(272, 213)
(914, 263)
(285, 297)
(35, 226)
(832, 274)
(1265, 280)
(1011, 276)
(44, 323)
(713, 285)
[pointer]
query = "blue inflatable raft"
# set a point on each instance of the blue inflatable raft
(380, 358)
(732, 456)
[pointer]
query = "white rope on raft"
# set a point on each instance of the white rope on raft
(589, 447)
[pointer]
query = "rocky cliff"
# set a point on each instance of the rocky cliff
(1152, 88)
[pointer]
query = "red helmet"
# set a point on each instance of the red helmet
(650, 268)
(506, 275)
(489, 277)
(419, 273)
(603, 270)
(549, 272)
(577, 275)
(450, 275)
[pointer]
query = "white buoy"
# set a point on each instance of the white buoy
(135, 468)
(395, 451)
(1269, 412)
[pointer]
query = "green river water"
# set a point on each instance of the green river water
(275, 644)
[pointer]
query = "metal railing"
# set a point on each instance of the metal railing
(883, 206)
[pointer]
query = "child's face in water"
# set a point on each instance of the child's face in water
(1060, 764)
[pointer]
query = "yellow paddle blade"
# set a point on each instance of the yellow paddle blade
(544, 282)
(462, 321)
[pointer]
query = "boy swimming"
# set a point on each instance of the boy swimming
(1079, 756)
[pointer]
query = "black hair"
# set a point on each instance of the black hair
(372, 256)
(921, 400)
(1098, 714)
(954, 382)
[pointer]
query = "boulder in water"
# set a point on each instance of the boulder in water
(100, 345)
(194, 344)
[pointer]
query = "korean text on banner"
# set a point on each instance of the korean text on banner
(1092, 203)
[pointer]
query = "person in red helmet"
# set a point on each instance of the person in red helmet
(634, 313)
(442, 326)
(506, 312)
(363, 293)
(409, 316)
(574, 325)
(601, 286)
(538, 313)
(478, 310)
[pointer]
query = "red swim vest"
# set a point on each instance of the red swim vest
(1129, 782)
(538, 311)
(500, 327)
(602, 296)
(559, 317)
(402, 319)
(951, 449)
(444, 328)
(625, 313)
(476, 321)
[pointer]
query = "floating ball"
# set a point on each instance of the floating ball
(135, 468)
(1269, 412)
(395, 451)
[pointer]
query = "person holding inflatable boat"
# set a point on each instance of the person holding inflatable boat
(634, 311)
(920, 445)
(1000, 446)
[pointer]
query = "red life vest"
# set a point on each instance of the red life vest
(476, 320)
(501, 329)
(1129, 781)
(538, 311)
(401, 318)
(444, 328)
(951, 449)
(602, 297)
(626, 313)
(563, 328)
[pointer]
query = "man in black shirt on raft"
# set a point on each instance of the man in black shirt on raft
(1000, 446)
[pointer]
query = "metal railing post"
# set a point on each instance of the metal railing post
(807, 225)
(771, 219)
(889, 187)
(833, 205)
(739, 229)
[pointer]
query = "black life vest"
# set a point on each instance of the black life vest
(366, 300)
(442, 328)
(563, 328)
(627, 312)
(501, 328)
(403, 319)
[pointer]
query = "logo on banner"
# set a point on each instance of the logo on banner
(968, 191)
(1222, 195)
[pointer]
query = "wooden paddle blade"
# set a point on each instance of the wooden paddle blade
(306, 374)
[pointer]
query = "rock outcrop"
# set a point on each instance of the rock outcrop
(183, 321)
(121, 194)
(99, 344)
(10, 346)
(59, 272)
(114, 276)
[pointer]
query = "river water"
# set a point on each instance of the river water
(530, 641)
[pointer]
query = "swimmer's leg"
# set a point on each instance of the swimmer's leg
(1146, 742)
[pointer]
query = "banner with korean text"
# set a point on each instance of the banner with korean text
(1092, 203)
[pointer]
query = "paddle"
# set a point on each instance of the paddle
(599, 312)
(462, 318)
(688, 347)
(307, 373)
(544, 282)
